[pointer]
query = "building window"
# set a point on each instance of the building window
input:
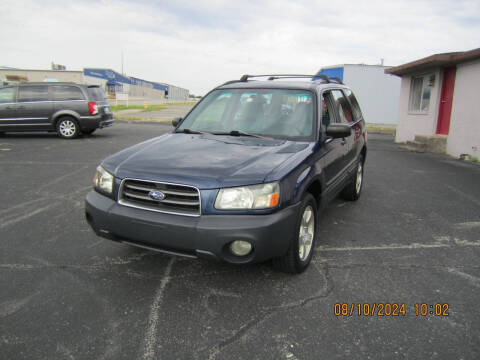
(420, 93)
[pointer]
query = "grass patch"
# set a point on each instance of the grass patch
(148, 108)
(381, 129)
(138, 107)
(474, 159)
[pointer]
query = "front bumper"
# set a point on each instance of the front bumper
(207, 236)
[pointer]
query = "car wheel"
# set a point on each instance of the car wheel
(300, 252)
(353, 190)
(68, 128)
(88, 132)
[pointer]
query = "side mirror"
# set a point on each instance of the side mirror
(176, 121)
(339, 131)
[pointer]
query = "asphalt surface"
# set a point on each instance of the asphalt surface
(413, 237)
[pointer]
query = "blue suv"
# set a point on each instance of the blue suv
(241, 177)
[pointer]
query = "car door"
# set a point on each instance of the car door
(345, 116)
(34, 107)
(332, 156)
(7, 107)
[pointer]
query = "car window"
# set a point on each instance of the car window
(357, 113)
(32, 93)
(96, 93)
(66, 92)
(342, 106)
(326, 111)
(7, 95)
(276, 113)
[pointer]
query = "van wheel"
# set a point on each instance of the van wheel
(68, 128)
(88, 132)
(353, 190)
(300, 252)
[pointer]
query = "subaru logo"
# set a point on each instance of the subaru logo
(156, 195)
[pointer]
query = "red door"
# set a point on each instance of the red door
(445, 108)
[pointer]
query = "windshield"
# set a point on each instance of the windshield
(275, 113)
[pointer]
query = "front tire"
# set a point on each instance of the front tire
(300, 252)
(68, 128)
(353, 190)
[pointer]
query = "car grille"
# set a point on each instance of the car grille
(179, 199)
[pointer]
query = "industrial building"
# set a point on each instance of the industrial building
(377, 92)
(111, 81)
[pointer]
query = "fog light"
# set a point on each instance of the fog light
(240, 248)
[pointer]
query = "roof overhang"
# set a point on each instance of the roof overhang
(437, 60)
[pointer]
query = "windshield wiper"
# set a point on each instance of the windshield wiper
(243, 133)
(189, 131)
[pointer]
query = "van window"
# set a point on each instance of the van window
(96, 93)
(32, 93)
(7, 95)
(66, 92)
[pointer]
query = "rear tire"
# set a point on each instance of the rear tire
(353, 190)
(300, 252)
(67, 128)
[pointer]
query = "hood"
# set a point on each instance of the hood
(205, 161)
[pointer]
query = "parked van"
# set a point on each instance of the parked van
(67, 108)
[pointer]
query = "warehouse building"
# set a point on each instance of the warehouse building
(111, 81)
(377, 92)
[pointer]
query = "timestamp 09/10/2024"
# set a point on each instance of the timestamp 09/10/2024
(390, 309)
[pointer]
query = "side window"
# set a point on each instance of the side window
(65, 92)
(326, 111)
(7, 95)
(357, 113)
(342, 106)
(32, 93)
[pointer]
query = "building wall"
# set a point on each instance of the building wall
(41, 75)
(177, 94)
(378, 93)
(410, 123)
(464, 134)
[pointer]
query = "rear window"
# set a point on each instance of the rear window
(65, 92)
(32, 93)
(95, 93)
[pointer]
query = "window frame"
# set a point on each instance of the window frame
(411, 99)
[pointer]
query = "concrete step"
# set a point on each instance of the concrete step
(433, 144)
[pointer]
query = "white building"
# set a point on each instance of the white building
(438, 100)
(376, 91)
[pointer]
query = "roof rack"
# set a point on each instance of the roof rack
(271, 77)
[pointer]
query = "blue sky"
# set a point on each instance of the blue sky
(200, 44)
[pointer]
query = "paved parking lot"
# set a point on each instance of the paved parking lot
(413, 237)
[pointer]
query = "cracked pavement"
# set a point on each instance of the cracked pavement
(413, 237)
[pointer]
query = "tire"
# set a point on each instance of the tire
(67, 128)
(353, 190)
(298, 257)
(88, 132)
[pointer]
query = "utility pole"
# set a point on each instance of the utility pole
(122, 63)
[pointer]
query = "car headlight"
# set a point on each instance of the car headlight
(103, 180)
(261, 196)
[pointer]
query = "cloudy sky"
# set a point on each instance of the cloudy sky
(199, 44)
